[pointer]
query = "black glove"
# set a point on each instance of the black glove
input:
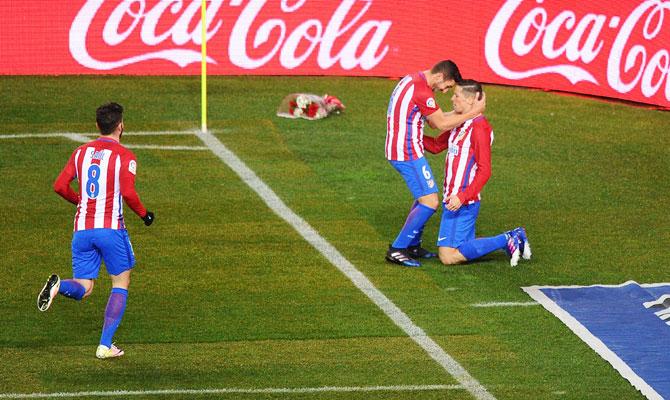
(148, 218)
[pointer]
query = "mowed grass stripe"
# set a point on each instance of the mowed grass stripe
(347, 268)
(251, 300)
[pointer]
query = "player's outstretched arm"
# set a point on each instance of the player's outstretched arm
(449, 120)
(435, 145)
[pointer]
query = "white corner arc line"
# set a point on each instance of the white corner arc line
(127, 393)
(505, 304)
(593, 341)
(396, 315)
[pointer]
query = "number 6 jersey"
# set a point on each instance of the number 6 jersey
(106, 172)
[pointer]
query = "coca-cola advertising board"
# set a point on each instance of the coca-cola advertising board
(616, 49)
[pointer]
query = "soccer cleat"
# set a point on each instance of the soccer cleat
(400, 257)
(48, 292)
(108, 352)
(523, 241)
(419, 252)
(512, 248)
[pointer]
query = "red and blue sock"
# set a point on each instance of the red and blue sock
(113, 315)
(72, 289)
(479, 247)
(417, 238)
(416, 220)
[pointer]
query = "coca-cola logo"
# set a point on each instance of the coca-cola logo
(631, 61)
(348, 38)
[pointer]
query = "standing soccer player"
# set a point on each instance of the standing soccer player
(106, 172)
(411, 104)
(467, 169)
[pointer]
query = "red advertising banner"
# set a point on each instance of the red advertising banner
(617, 49)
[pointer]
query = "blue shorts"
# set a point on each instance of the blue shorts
(91, 246)
(417, 175)
(457, 227)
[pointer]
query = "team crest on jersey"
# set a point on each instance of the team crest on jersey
(430, 102)
(132, 167)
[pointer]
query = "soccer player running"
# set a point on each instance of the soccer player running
(412, 104)
(467, 169)
(106, 172)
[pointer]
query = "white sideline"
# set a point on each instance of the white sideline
(126, 393)
(347, 268)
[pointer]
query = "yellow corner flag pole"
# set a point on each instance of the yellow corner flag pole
(203, 73)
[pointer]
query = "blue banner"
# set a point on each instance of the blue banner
(627, 324)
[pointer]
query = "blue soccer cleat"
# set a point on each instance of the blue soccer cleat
(400, 257)
(520, 232)
(512, 248)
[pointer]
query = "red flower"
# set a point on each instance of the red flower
(312, 109)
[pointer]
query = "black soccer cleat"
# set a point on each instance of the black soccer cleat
(48, 292)
(419, 252)
(400, 257)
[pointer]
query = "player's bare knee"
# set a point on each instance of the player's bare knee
(448, 259)
(121, 280)
(449, 256)
(88, 286)
(430, 200)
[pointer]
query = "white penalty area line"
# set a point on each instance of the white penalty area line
(313, 237)
(162, 392)
(86, 137)
(505, 304)
(57, 134)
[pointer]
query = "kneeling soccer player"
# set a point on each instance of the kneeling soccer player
(106, 172)
(467, 169)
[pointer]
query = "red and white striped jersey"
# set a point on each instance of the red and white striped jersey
(411, 101)
(106, 172)
(468, 160)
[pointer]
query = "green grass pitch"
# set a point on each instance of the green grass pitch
(226, 294)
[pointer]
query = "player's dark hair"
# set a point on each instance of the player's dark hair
(471, 87)
(449, 69)
(108, 116)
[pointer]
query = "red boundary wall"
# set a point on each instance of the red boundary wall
(616, 49)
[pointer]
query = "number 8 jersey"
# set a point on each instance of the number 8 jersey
(106, 172)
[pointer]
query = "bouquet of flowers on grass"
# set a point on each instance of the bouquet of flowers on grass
(309, 106)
